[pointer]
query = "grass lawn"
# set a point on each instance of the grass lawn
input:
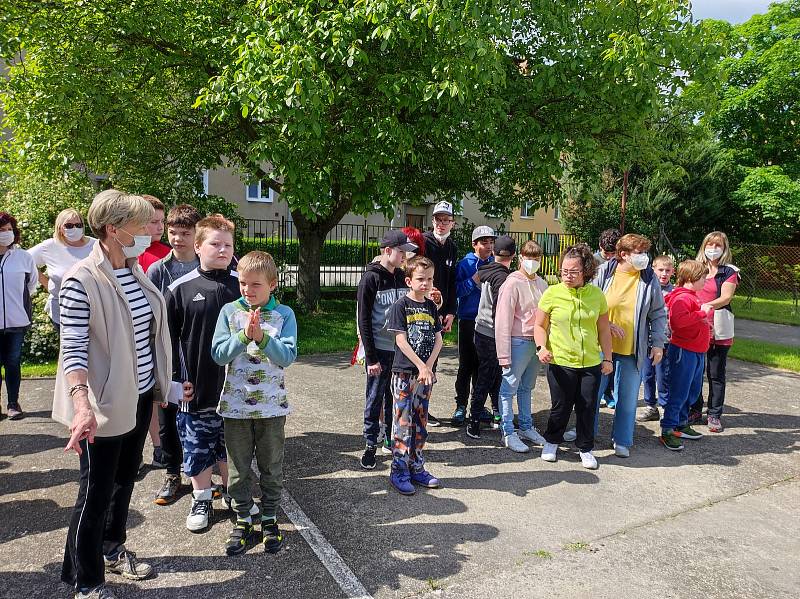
(769, 354)
(768, 306)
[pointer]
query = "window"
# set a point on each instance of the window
(526, 211)
(415, 220)
(204, 180)
(260, 191)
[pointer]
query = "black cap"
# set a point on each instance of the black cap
(505, 246)
(397, 239)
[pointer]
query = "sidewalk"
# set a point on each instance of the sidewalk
(783, 334)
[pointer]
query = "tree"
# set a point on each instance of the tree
(771, 200)
(341, 105)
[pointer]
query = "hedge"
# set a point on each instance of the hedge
(347, 252)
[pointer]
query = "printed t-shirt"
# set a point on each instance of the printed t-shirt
(621, 299)
(573, 338)
(418, 320)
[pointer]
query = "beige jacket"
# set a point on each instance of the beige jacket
(112, 377)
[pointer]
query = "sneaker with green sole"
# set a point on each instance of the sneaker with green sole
(671, 441)
(687, 432)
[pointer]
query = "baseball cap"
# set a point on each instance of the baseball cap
(504, 246)
(443, 208)
(397, 239)
(482, 231)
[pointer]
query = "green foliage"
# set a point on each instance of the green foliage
(334, 252)
(771, 200)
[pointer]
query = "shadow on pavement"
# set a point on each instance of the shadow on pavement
(24, 444)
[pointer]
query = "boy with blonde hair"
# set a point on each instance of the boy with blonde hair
(256, 339)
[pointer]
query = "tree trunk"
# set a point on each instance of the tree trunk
(308, 284)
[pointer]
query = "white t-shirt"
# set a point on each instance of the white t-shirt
(58, 258)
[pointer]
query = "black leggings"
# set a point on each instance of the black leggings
(716, 365)
(572, 388)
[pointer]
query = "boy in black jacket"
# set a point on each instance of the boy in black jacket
(381, 286)
(193, 304)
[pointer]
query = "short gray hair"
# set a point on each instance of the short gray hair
(117, 208)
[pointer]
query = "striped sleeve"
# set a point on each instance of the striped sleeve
(75, 310)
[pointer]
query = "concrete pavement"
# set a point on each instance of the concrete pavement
(784, 334)
(720, 519)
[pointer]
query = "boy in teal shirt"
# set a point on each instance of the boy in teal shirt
(256, 338)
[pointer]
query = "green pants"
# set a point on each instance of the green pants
(264, 438)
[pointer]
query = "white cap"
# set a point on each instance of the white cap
(443, 208)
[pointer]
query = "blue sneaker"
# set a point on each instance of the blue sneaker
(459, 417)
(486, 415)
(424, 478)
(401, 480)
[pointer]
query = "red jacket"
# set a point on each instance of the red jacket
(154, 253)
(689, 324)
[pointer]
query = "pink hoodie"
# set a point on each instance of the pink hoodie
(516, 308)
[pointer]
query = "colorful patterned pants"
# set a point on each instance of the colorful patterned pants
(410, 401)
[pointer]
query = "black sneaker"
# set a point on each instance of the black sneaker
(158, 458)
(239, 537)
(474, 429)
(486, 415)
(271, 534)
(433, 421)
(368, 459)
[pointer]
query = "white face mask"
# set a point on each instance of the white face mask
(639, 261)
(140, 244)
(441, 238)
(530, 266)
(713, 253)
(73, 234)
(6, 238)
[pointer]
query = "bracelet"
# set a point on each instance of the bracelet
(79, 387)
(609, 361)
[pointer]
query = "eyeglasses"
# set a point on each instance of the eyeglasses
(73, 225)
(571, 273)
(443, 221)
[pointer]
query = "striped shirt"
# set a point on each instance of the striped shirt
(75, 310)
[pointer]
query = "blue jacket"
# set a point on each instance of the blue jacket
(650, 319)
(468, 292)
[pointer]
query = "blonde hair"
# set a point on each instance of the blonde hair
(63, 217)
(259, 263)
(665, 259)
(213, 222)
(117, 208)
(531, 248)
(721, 238)
(632, 241)
(690, 271)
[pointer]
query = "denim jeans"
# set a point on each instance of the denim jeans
(685, 384)
(626, 389)
(10, 354)
(520, 378)
(655, 381)
(378, 397)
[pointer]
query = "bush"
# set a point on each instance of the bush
(334, 253)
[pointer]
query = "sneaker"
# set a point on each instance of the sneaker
(239, 537)
(423, 478)
(271, 535)
(101, 592)
(696, 417)
(433, 421)
(381, 434)
(715, 425)
(588, 460)
(621, 451)
(687, 432)
(459, 417)
(513, 442)
(670, 440)
(368, 459)
(126, 565)
(533, 436)
(201, 512)
(401, 480)
(549, 452)
(603, 402)
(168, 492)
(570, 435)
(386, 447)
(497, 419)
(15, 412)
(486, 415)
(474, 429)
(649, 414)
(611, 405)
(158, 459)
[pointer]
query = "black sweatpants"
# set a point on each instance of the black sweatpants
(467, 362)
(487, 382)
(716, 366)
(108, 468)
(171, 449)
(572, 388)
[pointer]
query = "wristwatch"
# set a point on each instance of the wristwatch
(538, 348)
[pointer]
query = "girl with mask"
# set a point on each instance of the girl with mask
(68, 245)
(17, 284)
(719, 287)
(516, 349)
(638, 330)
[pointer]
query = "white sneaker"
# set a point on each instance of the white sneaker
(549, 451)
(588, 460)
(533, 436)
(513, 442)
(201, 511)
(621, 451)
(570, 435)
